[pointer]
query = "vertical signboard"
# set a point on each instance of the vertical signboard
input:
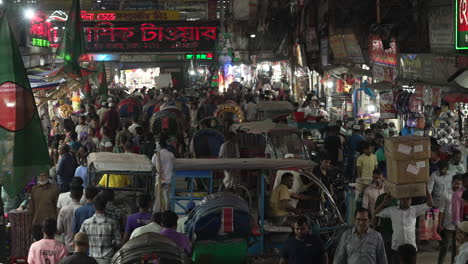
(461, 24)
(379, 55)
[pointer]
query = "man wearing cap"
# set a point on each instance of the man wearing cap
(81, 242)
(181, 222)
(44, 196)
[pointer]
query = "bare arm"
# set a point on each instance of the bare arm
(429, 198)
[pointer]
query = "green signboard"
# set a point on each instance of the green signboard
(461, 24)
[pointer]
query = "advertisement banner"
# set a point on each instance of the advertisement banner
(379, 55)
(154, 36)
(461, 24)
(387, 109)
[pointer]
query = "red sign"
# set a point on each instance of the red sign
(40, 27)
(162, 36)
(379, 55)
(85, 16)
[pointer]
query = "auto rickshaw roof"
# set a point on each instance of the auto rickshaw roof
(259, 127)
(241, 164)
(119, 162)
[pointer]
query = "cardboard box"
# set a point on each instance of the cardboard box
(407, 148)
(405, 190)
(408, 171)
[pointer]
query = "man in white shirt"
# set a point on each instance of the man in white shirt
(440, 182)
(373, 191)
(167, 159)
(446, 226)
(403, 221)
(65, 199)
(134, 125)
(153, 227)
(66, 216)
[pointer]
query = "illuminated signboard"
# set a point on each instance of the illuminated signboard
(461, 24)
(40, 42)
(201, 56)
(152, 36)
(147, 15)
(39, 30)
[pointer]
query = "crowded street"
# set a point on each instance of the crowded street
(234, 132)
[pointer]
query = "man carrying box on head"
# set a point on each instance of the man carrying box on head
(403, 221)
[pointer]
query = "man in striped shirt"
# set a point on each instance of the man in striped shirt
(103, 232)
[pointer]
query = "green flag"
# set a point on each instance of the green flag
(23, 148)
(99, 79)
(73, 44)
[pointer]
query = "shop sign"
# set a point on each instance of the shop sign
(199, 56)
(151, 36)
(441, 29)
(346, 48)
(40, 42)
(427, 67)
(128, 15)
(461, 24)
(379, 55)
(39, 30)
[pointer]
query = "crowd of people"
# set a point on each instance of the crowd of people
(71, 215)
(385, 228)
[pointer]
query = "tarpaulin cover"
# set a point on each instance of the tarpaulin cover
(106, 161)
(150, 248)
(129, 107)
(206, 219)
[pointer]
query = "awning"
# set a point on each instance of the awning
(241, 164)
(39, 83)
